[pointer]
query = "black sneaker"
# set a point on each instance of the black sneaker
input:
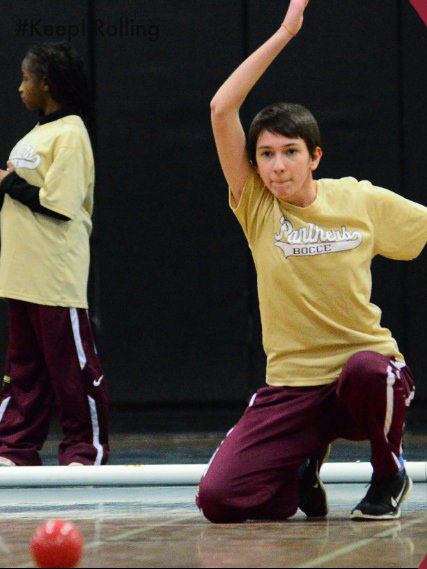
(313, 499)
(384, 497)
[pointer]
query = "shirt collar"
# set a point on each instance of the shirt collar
(64, 112)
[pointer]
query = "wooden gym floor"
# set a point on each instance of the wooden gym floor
(161, 527)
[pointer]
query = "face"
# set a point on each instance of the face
(33, 90)
(286, 167)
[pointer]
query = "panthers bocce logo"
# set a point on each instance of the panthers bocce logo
(25, 156)
(313, 240)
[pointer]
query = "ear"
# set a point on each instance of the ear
(255, 166)
(315, 161)
(44, 85)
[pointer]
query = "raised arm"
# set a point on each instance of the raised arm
(225, 106)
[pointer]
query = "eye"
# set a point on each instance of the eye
(266, 153)
(291, 151)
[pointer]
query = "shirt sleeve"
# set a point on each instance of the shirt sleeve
(20, 190)
(400, 225)
(65, 185)
(256, 199)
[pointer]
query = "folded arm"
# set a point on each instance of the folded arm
(20, 190)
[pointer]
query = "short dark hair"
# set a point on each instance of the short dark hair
(287, 119)
(63, 70)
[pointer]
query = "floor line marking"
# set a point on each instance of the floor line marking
(124, 535)
(317, 562)
(131, 533)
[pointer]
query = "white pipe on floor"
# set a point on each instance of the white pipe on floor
(351, 472)
(167, 475)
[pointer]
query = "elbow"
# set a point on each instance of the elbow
(218, 108)
(220, 111)
(214, 106)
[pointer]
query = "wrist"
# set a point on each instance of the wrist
(7, 180)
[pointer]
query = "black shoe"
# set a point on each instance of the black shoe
(384, 497)
(313, 499)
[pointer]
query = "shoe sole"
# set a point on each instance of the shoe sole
(357, 515)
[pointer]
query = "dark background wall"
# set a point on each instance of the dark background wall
(173, 287)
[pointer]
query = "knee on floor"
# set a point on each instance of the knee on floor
(212, 501)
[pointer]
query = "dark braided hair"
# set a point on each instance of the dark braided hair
(63, 70)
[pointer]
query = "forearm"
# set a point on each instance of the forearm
(234, 91)
(232, 94)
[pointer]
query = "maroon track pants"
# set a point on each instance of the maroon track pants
(254, 473)
(52, 357)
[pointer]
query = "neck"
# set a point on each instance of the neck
(307, 195)
(50, 107)
(310, 196)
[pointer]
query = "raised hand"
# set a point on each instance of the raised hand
(295, 16)
(225, 106)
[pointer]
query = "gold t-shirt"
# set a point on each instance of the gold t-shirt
(44, 260)
(314, 273)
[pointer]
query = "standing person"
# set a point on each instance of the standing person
(332, 370)
(44, 265)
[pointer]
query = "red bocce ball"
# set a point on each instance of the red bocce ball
(57, 544)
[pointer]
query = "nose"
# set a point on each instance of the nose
(279, 165)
